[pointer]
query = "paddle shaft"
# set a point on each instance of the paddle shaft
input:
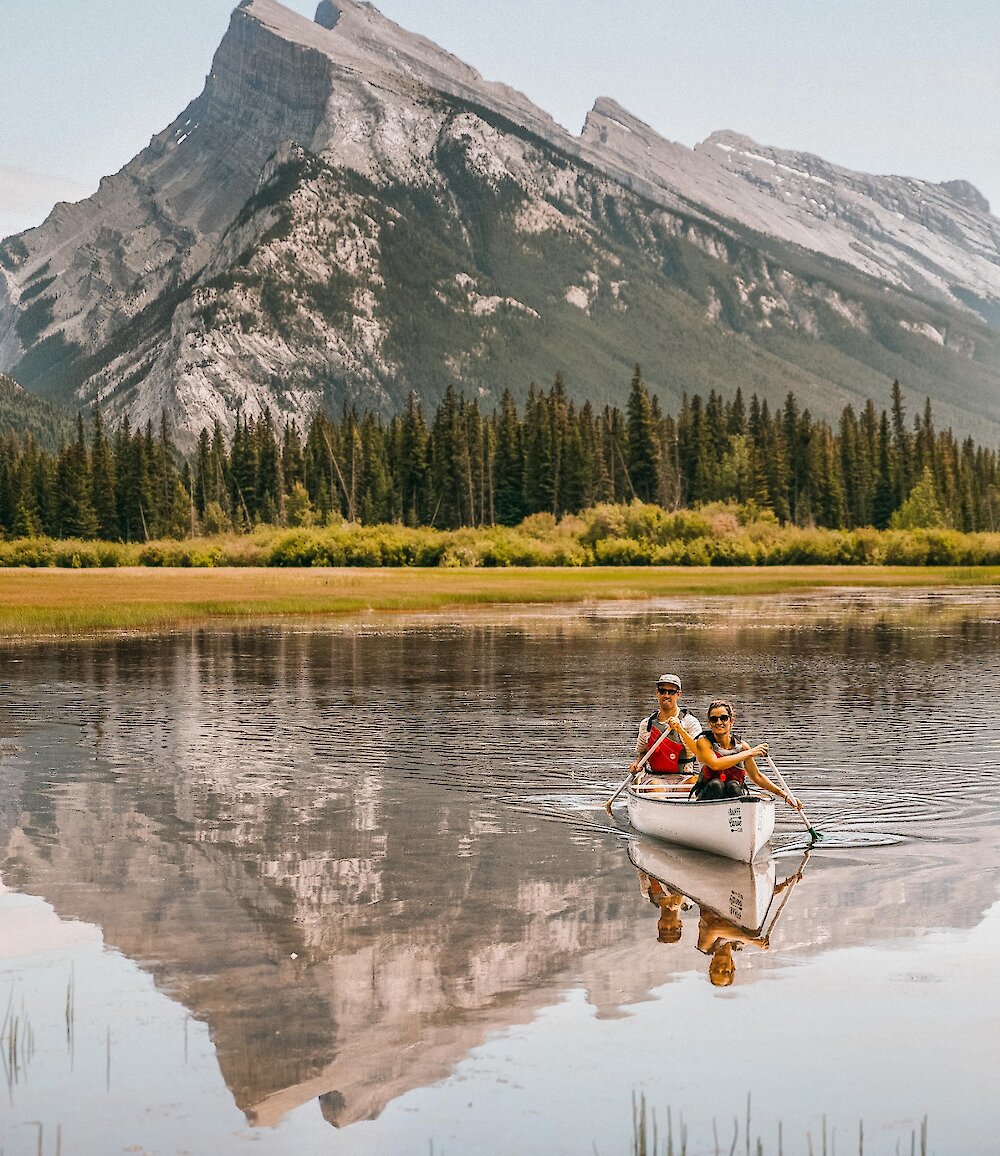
(784, 899)
(631, 775)
(784, 786)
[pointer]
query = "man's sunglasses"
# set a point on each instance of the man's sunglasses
(667, 690)
(714, 718)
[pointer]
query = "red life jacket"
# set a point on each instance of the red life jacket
(666, 759)
(735, 774)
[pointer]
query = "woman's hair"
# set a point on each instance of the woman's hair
(721, 702)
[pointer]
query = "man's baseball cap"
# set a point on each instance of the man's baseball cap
(672, 679)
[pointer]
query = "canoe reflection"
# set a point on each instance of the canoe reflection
(737, 903)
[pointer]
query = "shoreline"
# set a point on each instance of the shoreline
(57, 603)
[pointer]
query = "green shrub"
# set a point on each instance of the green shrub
(905, 548)
(34, 552)
(734, 552)
(622, 552)
(602, 521)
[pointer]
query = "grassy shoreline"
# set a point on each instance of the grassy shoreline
(46, 602)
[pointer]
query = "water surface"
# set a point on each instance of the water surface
(352, 889)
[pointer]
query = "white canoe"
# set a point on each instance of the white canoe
(741, 892)
(735, 828)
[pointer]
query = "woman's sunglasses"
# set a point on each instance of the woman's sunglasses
(716, 718)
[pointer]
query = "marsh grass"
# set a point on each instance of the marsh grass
(39, 602)
(646, 1137)
(17, 1044)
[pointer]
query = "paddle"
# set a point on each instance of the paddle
(631, 775)
(790, 881)
(814, 834)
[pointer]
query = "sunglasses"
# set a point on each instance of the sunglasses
(667, 690)
(716, 718)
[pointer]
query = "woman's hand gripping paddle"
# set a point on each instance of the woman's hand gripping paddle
(813, 833)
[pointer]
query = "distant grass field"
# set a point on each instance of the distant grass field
(47, 602)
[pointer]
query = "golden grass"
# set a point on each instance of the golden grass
(50, 601)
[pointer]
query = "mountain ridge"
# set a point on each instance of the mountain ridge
(109, 299)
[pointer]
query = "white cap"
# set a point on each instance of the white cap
(673, 679)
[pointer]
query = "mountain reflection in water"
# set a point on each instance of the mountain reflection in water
(357, 855)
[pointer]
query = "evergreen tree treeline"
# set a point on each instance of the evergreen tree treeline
(464, 468)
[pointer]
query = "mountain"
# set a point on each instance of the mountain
(23, 413)
(347, 213)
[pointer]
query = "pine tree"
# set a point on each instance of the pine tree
(539, 455)
(412, 463)
(508, 464)
(202, 471)
(269, 495)
(643, 452)
(292, 462)
(449, 481)
(614, 436)
(574, 471)
(599, 483)
(902, 449)
(883, 501)
(75, 510)
(376, 499)
(243, 469)
(776, 464)
(103, 485)
(27, 514)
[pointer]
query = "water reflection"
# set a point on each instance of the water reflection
(735, 902)
(356, 855)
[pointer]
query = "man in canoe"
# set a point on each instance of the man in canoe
(672, 761)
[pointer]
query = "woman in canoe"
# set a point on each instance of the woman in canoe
(727, 762)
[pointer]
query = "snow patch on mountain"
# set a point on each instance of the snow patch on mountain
(178, 283)
(924, 329)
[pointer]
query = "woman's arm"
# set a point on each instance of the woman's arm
(704, 751)
(757, 776)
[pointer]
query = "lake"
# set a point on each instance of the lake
(351, 887)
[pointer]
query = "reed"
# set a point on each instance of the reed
(646, 1140)
(17, 1044)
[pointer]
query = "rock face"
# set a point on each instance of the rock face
(347, 213)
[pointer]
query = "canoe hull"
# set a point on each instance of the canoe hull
(741, 892)
(734, 828)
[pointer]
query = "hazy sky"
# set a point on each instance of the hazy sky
(904, 86)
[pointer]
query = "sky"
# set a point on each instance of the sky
(900, 86)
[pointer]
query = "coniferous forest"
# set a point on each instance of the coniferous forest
(459, 467)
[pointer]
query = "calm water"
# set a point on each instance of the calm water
(353, 889)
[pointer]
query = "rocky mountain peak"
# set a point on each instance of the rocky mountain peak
(284, 238)
(967, 194)
(327, 14)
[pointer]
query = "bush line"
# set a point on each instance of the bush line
(607, 535)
